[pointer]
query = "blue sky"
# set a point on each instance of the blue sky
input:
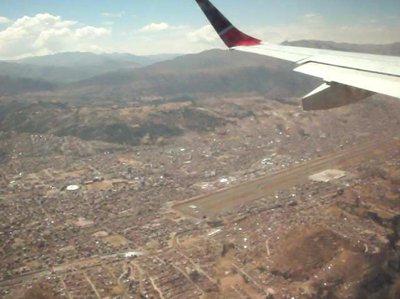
(38, 27)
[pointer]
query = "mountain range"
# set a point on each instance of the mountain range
(83, 77)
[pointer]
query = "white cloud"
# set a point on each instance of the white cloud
(46, 34)
(4, 20)
(174, 39)
(113, 14)
(154, 27)
(205, 34)
(312, 18)
(91, 32)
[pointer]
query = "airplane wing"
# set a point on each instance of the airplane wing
(348, 77)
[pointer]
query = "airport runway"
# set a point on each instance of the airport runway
(213, 204)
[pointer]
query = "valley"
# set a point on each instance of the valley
(197, 178)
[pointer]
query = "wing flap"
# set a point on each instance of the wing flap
(374, 82)
(333, 95)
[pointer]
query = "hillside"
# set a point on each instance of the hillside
(212, 72)
(74, 66)
(124, 124)
(13, 86)
(81, 59)
(56, 74)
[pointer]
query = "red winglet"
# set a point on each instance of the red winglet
(231, 36)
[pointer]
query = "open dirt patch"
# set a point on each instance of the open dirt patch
(116, 240)
(306, 250)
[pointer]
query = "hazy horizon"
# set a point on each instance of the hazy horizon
(178, 54)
